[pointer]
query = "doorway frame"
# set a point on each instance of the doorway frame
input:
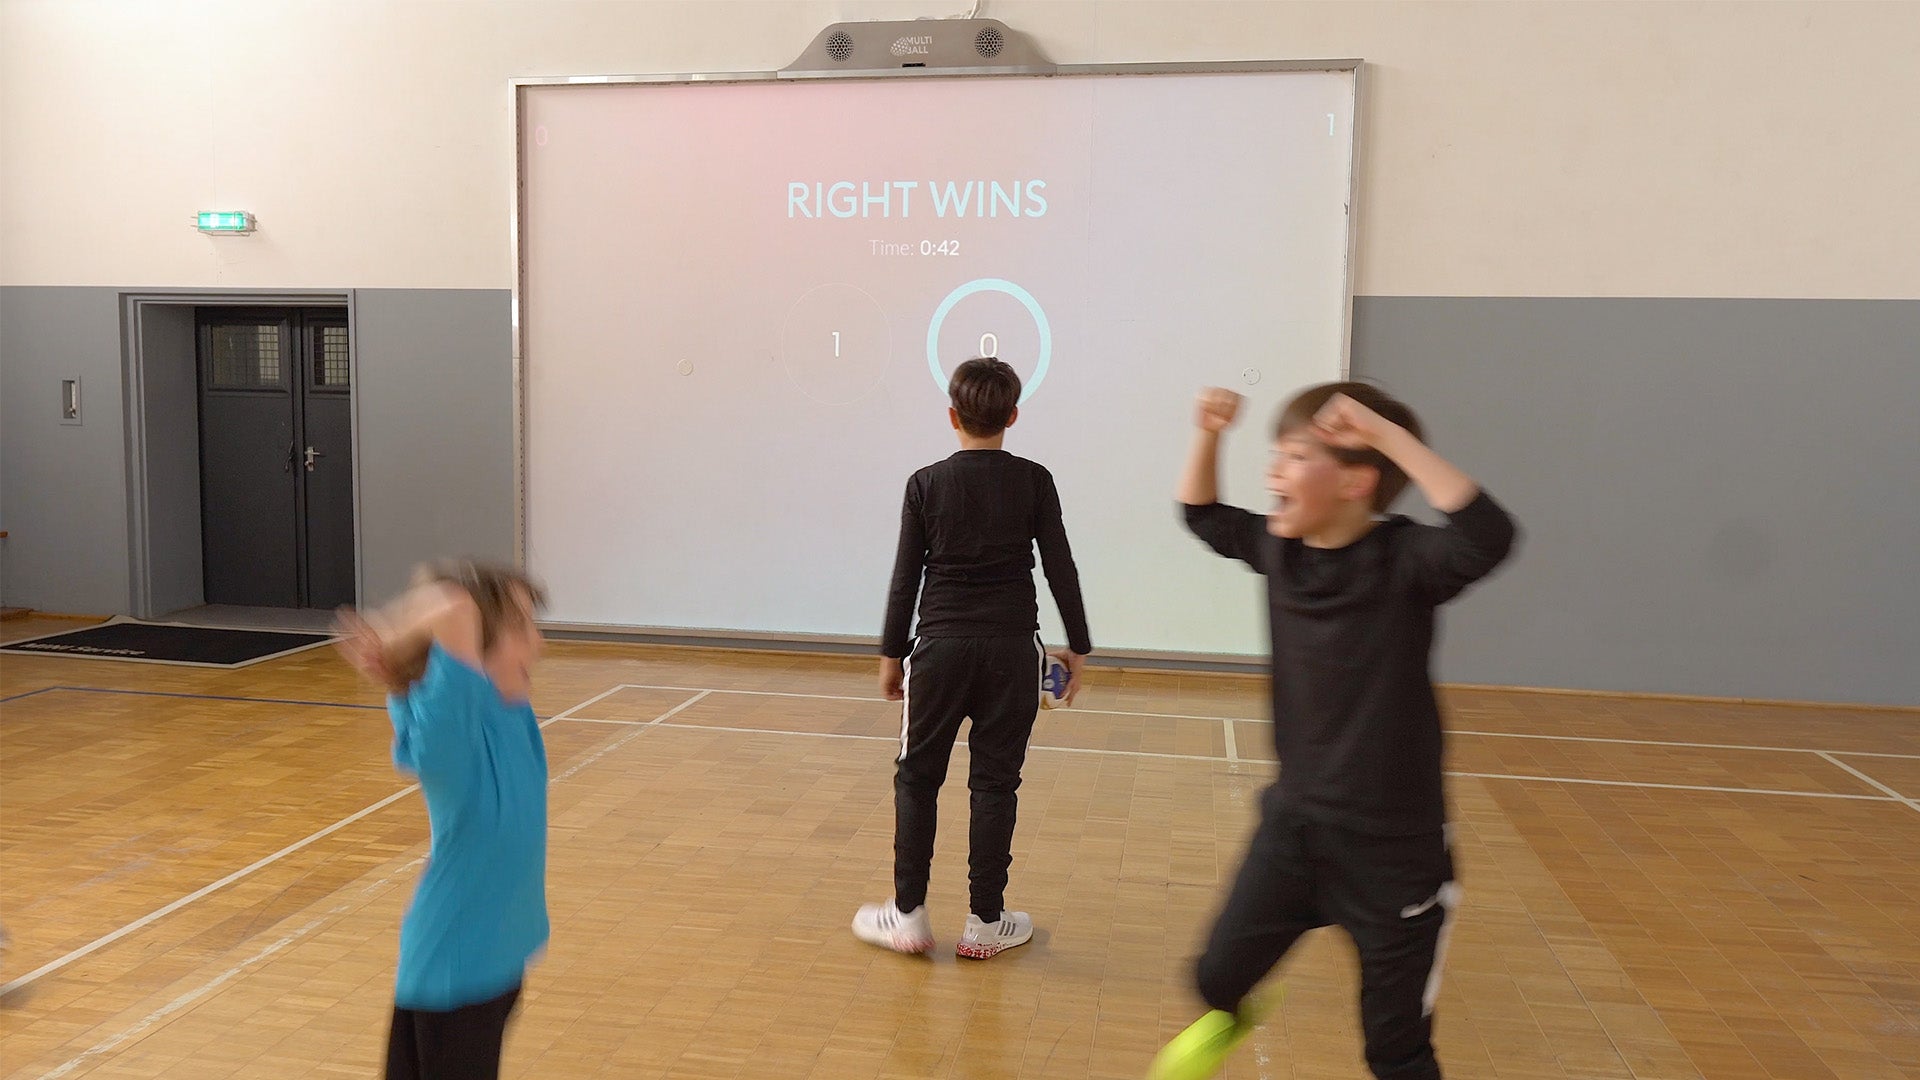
(133, 307)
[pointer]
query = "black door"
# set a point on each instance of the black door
(276, 457)
(327, 460)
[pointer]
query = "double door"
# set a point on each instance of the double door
(276, 457)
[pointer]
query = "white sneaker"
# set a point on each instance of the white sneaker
(984, 940)
(887, 926)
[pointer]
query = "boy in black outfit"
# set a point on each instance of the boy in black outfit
(970, 524)
(1354, 832)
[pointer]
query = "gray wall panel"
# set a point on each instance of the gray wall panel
(1719, 495)
(63, 494)
(435, 402)
(172, 403)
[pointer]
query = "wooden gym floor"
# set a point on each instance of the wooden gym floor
(204, 871)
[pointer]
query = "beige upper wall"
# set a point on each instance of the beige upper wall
(1512, 149)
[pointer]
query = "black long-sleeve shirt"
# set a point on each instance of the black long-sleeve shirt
(1355, 720)
(969, 525)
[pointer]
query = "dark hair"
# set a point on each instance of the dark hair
(984, 392)
(1297, 418)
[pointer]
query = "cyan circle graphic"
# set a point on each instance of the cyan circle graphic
(998, 285)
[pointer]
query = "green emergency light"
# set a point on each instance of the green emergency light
(226, 222)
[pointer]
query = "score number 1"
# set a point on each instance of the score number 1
(989, 345)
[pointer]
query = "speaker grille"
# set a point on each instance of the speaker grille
(988, 42)
(840, 45)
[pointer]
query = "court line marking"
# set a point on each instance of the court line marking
(1658, 742)
(895, 739)
(196, 697)
(1256, 720)
(1092, 712)
(162, 912)
(1101, 751)
(567, 714)
(1883, 787)
(1679, 787)
(23, 695)
(113, 1042)
(638, 730)
(1078, 710)
(202, 697)
(702, 693)
(157, 914)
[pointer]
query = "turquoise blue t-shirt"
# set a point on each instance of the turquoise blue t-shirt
(481, 910)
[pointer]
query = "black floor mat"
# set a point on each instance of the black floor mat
(166, 643)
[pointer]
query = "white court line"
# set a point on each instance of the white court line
(160, 913)
(1573, 738)
(1629, 742)
(748, 693)
(1651, 742)
(638, 729)
(798, 734)
(107, 1046)
(1166, 715)
(1841, 764)
(1226, 761)
(1678, 787)
(1521, 735)
(114, 1042)
(700, 694)
(1031, 748)
(567, 714)
(1129, 753)
(1259, 720)
(703, 692)
(884, 701)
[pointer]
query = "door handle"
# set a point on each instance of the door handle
(311, 455)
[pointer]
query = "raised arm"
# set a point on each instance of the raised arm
(1232, 532)
(1479, 534)
(1214, 414)
(384, 644)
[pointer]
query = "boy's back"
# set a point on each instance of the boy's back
(969, 524)
(968, 527)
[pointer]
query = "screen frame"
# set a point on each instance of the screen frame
(519, 88)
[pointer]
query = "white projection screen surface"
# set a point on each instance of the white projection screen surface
(739, 302)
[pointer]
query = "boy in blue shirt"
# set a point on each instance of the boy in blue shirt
(456, 655)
